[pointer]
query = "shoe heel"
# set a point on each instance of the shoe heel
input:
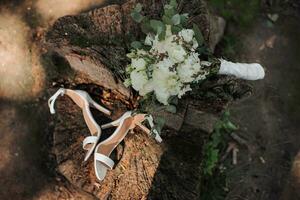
(93, 103)
(98, 107)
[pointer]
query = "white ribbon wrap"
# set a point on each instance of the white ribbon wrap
(253, 71)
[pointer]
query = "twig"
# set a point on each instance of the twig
(234, 155)
(244, 142)
(231, 146)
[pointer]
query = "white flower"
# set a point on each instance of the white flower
(187, 35)
(189, 69)
(165, 84)
(138, 63)
(184, 90)
(177, 53)
(165, 63)
(138, 79)
(195, 44)
(147, 88)
(127, 82)
(149, 40)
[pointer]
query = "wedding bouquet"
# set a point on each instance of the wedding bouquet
(167, 61)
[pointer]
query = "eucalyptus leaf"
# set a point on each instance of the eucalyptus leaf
(136, 45)
(176, 29)
(184, 19)
(138, 7)
(146, 27)
(171, 109)
(173, 3)
(162, 35)
(198, 35)
(169, 11)
(137, 17)
(176, 19)
(167, 20)
(159, 123)
(159, 27)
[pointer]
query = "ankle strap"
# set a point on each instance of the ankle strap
(52, 99)
(89, 140)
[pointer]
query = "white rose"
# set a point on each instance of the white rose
(138, 79)
(165, 84)
(138, 63)
(187, 35)
(177, 53)
(147, 88)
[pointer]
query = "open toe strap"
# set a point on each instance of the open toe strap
(102, 164)
(109, 163)
(89, 141)
(52, 99)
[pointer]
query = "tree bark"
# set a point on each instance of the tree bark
(94, 46)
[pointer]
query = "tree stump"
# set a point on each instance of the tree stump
(93, 47)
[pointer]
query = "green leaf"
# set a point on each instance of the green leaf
(198, 35)
(184, 19)
(167, 20)
(173, 100)
(169, 11)
(173, 3)
(159, 27)
(159, 123)
(136, 45)
(162, 35)
(176, 19)
(146, 27)
(137, 17)
(176, 29)
(171, 109)
(230, 126)
(138, 7)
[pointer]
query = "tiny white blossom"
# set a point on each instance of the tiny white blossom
(165, 83)
(184, 90)
(138, 63)
(189, 69)
(138, 79)
(195, 44)
(187, 35)
(149, 40)
(177, 53)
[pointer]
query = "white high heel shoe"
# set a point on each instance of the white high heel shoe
(84, 101)
(127, 122)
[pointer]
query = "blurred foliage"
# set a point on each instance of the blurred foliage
(240, 11)
(214, 179)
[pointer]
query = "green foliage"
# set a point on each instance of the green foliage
(198, 35)
(242, 12)
(214, 182)
(171, 108)
(136, 15)
(136, 45)
(211, 149)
